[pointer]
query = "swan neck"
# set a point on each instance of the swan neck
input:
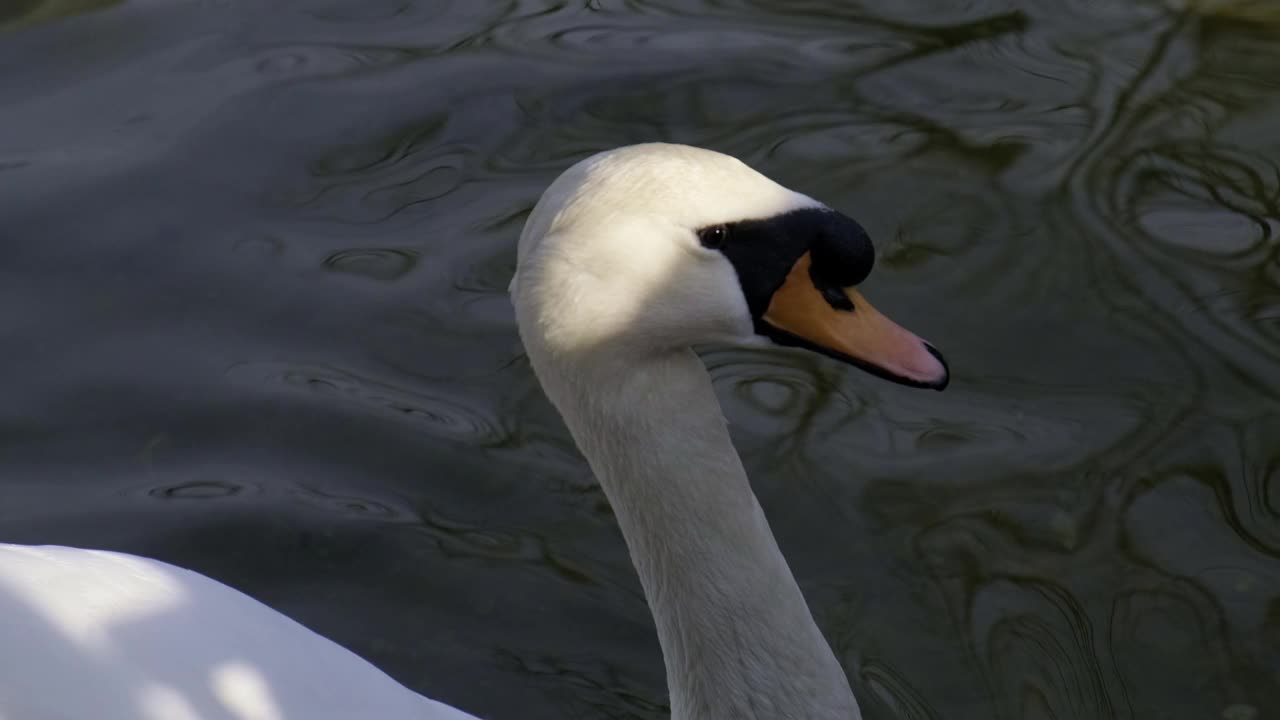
(737, 637)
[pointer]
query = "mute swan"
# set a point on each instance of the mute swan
(629, 258)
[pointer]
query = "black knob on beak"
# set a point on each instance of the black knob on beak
(842, 256)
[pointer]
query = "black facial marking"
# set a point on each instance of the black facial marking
(834, 296)
(764, 251)
(839, 260)
(842, 255)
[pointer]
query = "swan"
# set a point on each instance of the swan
(630, 258)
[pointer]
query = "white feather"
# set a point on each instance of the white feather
(96, 635)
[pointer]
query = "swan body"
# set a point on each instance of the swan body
(629, 259)
(96, 635)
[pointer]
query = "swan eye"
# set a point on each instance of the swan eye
(714, 237)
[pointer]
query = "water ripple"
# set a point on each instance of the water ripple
(197, 490)
(1077, 201)
(1037, 644)
(375, 263)
(349, 505)
(373, 186)
(436, 413)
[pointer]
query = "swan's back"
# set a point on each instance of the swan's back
(108, 636)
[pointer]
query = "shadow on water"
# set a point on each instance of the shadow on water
(266, 247)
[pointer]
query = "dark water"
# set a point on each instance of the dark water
(254, 321)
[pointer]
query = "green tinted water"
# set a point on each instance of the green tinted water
(253, 304)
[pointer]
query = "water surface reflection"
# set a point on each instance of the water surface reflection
(254, 297)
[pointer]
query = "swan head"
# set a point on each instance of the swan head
(653, 248)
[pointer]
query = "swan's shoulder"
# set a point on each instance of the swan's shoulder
(90, 633)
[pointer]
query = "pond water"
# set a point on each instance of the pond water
(254, 316)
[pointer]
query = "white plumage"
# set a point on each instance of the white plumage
(96, 635)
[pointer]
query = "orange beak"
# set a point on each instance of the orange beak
(860, 336)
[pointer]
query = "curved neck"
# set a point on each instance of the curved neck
(737, 637)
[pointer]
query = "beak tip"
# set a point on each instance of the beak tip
(945, 379)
